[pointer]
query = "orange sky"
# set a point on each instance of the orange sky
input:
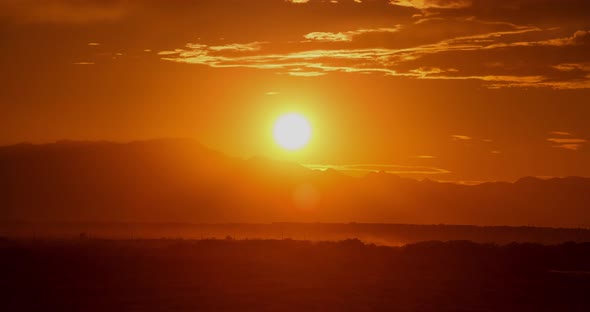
(455, 90)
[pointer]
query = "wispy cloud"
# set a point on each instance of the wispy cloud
(239, 47)
(580, 37)
(570, 146)
(459, 137)
(436, 4)
(347, 35)
(395, 169)
(569, 67)
(306, 73)
(328, 36)
(561, 140)
(568, 143)
(457, 57)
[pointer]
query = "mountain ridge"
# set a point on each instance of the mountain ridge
(182, 180)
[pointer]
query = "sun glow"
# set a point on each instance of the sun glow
(292, 131)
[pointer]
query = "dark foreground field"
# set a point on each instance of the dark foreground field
(286, 275)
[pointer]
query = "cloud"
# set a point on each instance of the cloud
(570, 146)
(238, 47)
(458, 137)
(202, 53)
(564, 141)
(561, 133)
(433, 4)
(83, 63)
(306, 73)
(580, 37)
(346, 36)
(328, 36)
(569, 67)
(568, 143)
(441, 48)
(370, 59)
(395, 169)
(311, 60)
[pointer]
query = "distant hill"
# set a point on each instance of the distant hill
(177, 180)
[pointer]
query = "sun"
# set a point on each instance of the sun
(292, 131)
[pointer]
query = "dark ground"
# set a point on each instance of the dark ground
(286, 275)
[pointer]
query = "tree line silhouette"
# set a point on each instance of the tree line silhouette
(291, 275)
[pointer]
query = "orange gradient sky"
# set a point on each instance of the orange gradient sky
(453, 90)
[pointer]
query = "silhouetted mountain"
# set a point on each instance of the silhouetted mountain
(180, 180)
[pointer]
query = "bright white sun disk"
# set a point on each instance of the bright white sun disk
(292, 131)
